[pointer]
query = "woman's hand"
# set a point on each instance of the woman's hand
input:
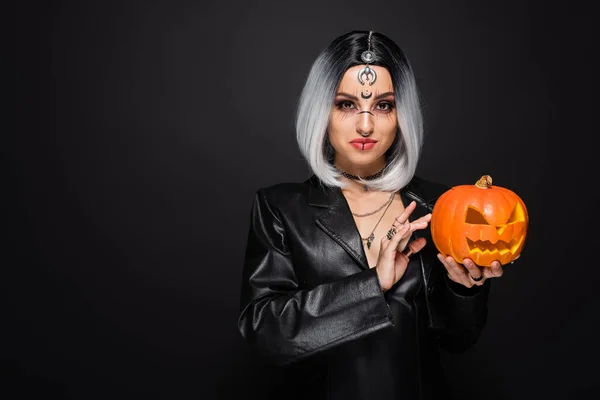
(470, 274)
(395, 248)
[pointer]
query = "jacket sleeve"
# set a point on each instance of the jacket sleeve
(457, 314)
(286, 322)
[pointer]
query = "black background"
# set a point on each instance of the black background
(144, 128)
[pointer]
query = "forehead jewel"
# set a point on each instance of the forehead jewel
(366, 74)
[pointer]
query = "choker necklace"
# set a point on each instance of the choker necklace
(365, 178)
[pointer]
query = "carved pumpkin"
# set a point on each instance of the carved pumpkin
(481, 222)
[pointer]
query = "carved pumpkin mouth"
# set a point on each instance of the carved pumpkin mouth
(485, 246)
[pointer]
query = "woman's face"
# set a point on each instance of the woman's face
(361, 107)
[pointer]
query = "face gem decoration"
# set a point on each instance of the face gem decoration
(367, 74)
(366, 94)
(367, 56)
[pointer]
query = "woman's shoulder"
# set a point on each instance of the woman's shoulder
(312, 191)
(281, 193)
(283, 188)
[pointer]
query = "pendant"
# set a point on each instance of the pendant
(370, 240)
(366, 188)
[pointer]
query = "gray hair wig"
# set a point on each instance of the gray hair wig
(316, 102)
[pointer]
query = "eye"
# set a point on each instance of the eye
(384, 106)
(345, 105)
(517, 214)
(474, 216)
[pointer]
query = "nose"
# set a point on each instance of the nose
(364, 124)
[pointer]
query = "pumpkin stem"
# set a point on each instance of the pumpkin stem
(485, 182)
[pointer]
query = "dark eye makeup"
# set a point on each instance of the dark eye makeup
(347, 105)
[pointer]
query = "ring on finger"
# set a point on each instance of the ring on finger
(391, 232)
(477, 279)
(400, 222)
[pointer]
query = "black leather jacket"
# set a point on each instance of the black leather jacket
(311, 304)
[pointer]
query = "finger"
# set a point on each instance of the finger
(406, 235)
(451, 273)
(456, 272)
(460, 272)
(424, 218)
(475, 273)
(395, 239)
(413, 247)
(417, 225)
(403, 217)
(496, 269)
(388, 236)
(393, 230)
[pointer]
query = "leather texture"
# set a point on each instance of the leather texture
(311, 304)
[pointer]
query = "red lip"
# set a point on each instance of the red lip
(363, 141)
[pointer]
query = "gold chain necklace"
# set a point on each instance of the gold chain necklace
(371, 237)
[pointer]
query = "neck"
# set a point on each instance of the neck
(357, 190)
(353, 171)
(367, 173)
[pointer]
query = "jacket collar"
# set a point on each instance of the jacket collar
(320, 195)
(337, 221)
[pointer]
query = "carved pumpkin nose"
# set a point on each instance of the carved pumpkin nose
(500, 229)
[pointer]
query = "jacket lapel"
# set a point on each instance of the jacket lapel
(336, 221)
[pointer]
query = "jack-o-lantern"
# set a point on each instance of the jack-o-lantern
(481, 222)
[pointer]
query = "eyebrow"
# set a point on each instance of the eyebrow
(379, 96)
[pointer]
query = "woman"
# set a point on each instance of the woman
(342, 285)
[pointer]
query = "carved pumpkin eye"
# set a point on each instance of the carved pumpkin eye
(475, 217)
(517, 214)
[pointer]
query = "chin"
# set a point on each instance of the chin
(364, 159)
(359, 157)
